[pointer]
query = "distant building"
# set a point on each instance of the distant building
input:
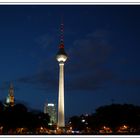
(50, 108)
(10, 97)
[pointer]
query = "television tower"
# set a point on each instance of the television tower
(61, 58)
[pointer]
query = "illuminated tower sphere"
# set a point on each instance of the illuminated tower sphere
(10, 98)
(61, 58)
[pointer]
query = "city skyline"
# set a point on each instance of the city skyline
(102, 43)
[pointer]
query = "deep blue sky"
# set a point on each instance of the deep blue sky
(103, 45)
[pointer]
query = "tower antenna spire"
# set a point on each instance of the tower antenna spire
(62, 34)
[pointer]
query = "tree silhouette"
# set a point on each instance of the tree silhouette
(112, 116)
(18, 116)
(116, 115)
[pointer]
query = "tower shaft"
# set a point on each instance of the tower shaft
(61, 115)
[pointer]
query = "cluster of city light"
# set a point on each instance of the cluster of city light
(68, 130)
(122, 129)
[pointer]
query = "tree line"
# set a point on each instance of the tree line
(19, 116)
(110, 116)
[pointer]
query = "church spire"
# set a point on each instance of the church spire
(11, 89)
(10, 97)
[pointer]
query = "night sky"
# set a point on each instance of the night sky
(102, 43)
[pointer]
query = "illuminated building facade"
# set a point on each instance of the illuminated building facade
(50, 108)
(61, 58)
